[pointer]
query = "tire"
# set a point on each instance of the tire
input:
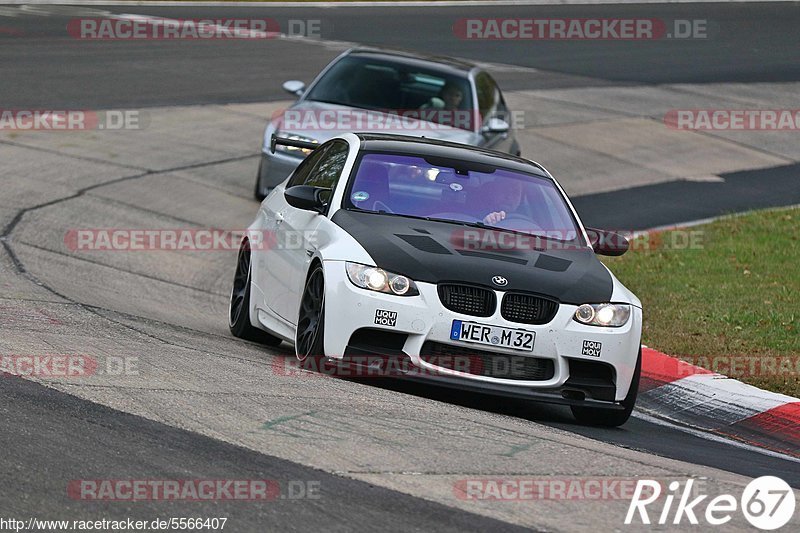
(594, 416)
(309, 339)
(257, 192)
(239, 309)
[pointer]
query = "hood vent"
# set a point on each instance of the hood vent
(555, 264)
(496, 257)
(425, 244)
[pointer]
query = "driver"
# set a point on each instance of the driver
(449, 98)
(504, 198)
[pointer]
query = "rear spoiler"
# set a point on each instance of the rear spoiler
(275, 140)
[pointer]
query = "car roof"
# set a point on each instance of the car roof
(384, 142)
(415, 59)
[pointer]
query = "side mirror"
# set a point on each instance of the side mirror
(294, 87)
(607, 242)
(307, 197)
(495, 125)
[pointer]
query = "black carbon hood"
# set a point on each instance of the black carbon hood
(432, 251)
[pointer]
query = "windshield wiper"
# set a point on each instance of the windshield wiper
(430, 219)
(459, 222)
(477, 224)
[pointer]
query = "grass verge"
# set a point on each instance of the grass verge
(725, 295)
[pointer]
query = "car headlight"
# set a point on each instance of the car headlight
(377, 279)
(293, 149)
(606, 315)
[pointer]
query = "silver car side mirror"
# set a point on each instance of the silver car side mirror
(294, 87)
(495, 125)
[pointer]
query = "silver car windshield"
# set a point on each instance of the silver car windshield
(411, 186)
(382, 85)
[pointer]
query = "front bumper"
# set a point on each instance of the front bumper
(423, 319)
(563, 395)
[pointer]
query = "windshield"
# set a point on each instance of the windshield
(462, 193)
(382, 85)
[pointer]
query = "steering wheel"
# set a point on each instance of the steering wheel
(508, 223)
(381, 207)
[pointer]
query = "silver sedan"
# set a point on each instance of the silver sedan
(380, 91)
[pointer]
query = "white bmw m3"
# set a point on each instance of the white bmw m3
(469, 267)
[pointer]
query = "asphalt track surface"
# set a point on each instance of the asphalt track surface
(57, 425)
(43, 68)
(745, 43)
(664, 204)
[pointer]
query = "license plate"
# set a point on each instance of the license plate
(516, 339)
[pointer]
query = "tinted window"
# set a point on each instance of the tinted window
(330, 167)
(303, 170)
(490, 99)
(412, 186)
(381, 84)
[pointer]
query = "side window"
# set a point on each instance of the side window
(305, 167)
(326, 174)
(490, 101)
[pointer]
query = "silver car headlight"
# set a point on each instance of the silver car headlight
(292, 149)
(605, 315)
(377, 279)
